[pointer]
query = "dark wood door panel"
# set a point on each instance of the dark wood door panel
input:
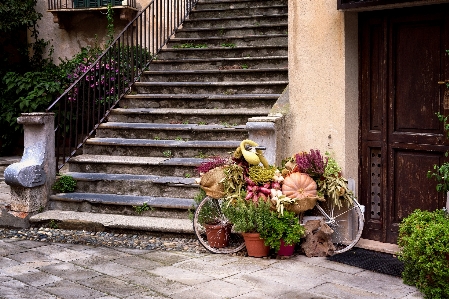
(373, 73)
(372, 191)
(415, 66)
(410, 188)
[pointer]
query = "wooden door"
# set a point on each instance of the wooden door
(402, 58)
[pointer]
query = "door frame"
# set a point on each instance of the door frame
(372, 142)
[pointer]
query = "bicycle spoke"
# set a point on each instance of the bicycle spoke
(346, 222)
(223, 232)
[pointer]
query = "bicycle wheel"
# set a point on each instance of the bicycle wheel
(346, 222)
(217, 237)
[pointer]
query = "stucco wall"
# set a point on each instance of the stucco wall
(323, 81)
(81, 30)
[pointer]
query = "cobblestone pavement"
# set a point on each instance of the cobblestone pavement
(35, 269)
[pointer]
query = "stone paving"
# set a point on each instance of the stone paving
(32, 269)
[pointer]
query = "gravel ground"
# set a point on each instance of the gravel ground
(136, 240)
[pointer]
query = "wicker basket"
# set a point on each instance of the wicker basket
(211, 182)
(302, 205)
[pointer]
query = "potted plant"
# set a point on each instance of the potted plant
(253, 219)
(217, 230)
(284, 232)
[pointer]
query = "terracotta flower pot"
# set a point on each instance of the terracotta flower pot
(218, 234)
(255, 245)
(286, 250)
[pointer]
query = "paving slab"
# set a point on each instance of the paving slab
(183, 276)
(70, 290)
(70, 271)
(37, 279)
(7, 248)
(167, 258)
(112, 286)
(344, 292)
(14, 289)
(161, 285)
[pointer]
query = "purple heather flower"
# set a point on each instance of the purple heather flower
(212, 163)
(311, 163)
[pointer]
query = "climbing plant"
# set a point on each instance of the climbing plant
(27, 79)
(32, 84)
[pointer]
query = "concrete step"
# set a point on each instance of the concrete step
(225, 75)
(161, 166)
(5, 162)
(236, 30)
(136, 185)
(238, 41)
(215, 22)
(199, 101)
(184, 116)
(219, 63)
(232, 87)
(158, 148)
(225, 50)
(235, 12)
(88, 221)
(126, 200)
(148, 206)
(171, 131)
(237, 4)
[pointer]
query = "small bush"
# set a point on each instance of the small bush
(284, 227)
(424, 242)
(143, 208)
(65, 184)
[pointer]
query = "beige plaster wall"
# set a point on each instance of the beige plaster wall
(80, 32)
(323, 81)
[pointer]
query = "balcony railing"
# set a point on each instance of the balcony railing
(85, 4)
(100, 86)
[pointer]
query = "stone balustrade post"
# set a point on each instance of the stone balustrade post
(268, 131)
(31, 179)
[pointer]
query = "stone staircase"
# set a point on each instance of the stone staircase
(226, 64)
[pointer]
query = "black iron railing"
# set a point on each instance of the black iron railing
(83, 4)
(101, 84)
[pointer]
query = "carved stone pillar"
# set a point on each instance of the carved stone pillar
(267, 131)
(31, 179)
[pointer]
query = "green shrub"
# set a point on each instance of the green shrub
(249, 217)
(65, 184)
(424, 243)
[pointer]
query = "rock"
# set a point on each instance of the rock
(318, 239)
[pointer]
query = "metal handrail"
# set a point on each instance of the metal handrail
(89, 100)
(62, 5)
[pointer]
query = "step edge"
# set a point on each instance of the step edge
(114, 221)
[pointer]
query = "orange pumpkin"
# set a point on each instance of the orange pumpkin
(299, 185)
